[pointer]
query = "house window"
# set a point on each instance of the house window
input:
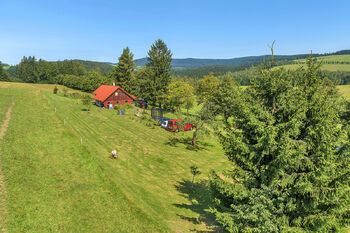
(120, 93)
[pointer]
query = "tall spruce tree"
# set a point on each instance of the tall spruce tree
(123, 73)
(159, 63)
(289, 175)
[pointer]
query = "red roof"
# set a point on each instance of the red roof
(104, 91)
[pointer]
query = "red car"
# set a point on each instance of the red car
(175, 125)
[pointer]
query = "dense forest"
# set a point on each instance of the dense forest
(103, 67)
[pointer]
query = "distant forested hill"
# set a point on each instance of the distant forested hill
(236, 64)
(189, 63)
(104, 67)
(222, 66)
(196, 67)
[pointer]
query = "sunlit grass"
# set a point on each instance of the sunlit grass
(57, 185)
(345, 91)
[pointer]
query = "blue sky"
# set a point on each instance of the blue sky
(99, 30)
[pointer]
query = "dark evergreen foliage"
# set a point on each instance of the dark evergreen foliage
(123, 73)
(283, 137)
(158, 71)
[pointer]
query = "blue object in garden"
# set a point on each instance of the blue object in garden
(121, 112)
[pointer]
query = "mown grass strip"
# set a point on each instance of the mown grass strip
(56, 185)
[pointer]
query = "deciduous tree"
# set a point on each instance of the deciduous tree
(179, 94)
(86, 101)
(27, 70)
(3, 74)
(206, 87)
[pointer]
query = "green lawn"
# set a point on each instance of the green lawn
(331, 58)
(345, 91)
(54, 184)
(5, 102)
(328, 67)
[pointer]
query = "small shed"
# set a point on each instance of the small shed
(107, 95)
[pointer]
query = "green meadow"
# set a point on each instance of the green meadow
(339, 59)
(344, 90)
(327, 67)
(332, 58)
(59, 177)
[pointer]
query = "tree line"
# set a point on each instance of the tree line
(3, 74)
(152, 83)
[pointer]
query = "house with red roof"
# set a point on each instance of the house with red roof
(115, 95)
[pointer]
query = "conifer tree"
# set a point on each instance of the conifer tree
(289, 174)
(159, 63)
(123, 73)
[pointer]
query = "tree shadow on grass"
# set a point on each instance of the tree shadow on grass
(199, 198)
(187, 141)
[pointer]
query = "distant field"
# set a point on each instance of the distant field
(345, 91)
(6, 67)
(328, 67)
(54, 184)
(332, 58)
(335, 58)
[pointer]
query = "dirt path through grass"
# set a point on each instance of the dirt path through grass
(3, 209)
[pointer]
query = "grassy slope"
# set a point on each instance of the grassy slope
(337, 58)
(329, 67)
(54, 184)
(5, 102)
(345, 91)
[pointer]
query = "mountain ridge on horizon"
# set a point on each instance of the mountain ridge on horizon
(191, 62)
